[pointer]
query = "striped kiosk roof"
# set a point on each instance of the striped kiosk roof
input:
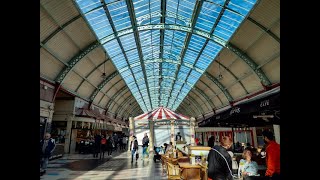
(161, 113)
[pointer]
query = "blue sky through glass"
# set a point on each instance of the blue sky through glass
(168, 84)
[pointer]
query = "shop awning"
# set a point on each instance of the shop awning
(81, 112)
(254, 113)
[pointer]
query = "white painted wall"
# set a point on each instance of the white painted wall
(46, 109)
(276, 130)
(64, 106)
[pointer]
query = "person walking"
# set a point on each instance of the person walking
(134, 148)
(272, 155)
(124, 142)
(96, 150)
(47, 146)
(103, 146)
(145, 143)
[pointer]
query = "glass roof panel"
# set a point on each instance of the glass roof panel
(161, 56)
(87, 5)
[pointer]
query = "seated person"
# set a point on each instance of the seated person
(169, 147)
(178, 137)
(234, 162)
(156, 155)
(247, 168)
(238, 147)
(164, 148)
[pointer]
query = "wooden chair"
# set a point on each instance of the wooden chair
(173, 171)
(164, 164)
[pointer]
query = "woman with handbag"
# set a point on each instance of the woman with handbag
(134, 148)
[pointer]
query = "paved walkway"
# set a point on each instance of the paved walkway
(119, 166)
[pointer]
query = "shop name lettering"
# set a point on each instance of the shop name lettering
(235, 110)
(264, 103)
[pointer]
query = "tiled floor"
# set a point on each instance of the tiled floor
(85, 167)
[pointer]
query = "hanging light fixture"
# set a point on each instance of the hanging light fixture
(104, 71)
(220, 75)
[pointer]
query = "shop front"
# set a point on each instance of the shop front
(58, 133)
(83, 131)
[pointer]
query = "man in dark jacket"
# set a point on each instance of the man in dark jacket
(97, 140)
(220, 162)
(134, 148)
(47, 146)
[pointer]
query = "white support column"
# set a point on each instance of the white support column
(131, 131)
(68, 133)
(151, 137)
(172, 133)
(254, 133)
(276, 130)
(192, 131)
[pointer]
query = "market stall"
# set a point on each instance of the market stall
(164, 124)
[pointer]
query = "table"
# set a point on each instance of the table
(189, 171)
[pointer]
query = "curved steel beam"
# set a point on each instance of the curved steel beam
(185, 105)
(209, 87)
(71, 63)
(134, 107)
(191, 111)
(183, 111)
(123, 103)
(197, 104)
(205, 96)
(94, 69)
(234, 76)
(175, 62)
(115, 102)
(220, 86)
(102, 84)
(203, 47)
(128, 102)
(195, 14)
(106, 10)
(120, 96)
(60, 28)
(88, 49)
(132, 16)
(115, 96)
(265, 81)
(127, 113)
(213, 38)
(275, 37)
(110, 89)
(196, 88)
(162, 21)
(198, 97)
(63, 73)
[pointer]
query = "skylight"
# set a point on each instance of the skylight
(161, 55)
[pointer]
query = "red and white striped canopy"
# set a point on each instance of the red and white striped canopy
(161, 113)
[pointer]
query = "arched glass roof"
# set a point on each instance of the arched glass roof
(162, 47)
